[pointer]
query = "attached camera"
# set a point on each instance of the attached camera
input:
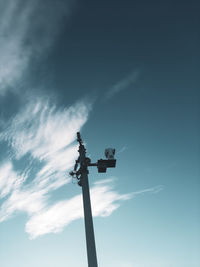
(109, 162)
(109, 153)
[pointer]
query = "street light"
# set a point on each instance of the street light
(81, 175)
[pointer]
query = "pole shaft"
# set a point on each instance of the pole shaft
(89, 230)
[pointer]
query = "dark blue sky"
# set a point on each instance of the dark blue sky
(160, 38)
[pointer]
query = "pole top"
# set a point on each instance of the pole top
(85, 162)
(79, 138)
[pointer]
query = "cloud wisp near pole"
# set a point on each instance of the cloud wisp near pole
(82, 176)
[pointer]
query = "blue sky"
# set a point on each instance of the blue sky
(126, 75)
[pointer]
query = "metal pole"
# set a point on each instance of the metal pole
(82, 176)
(89, 230)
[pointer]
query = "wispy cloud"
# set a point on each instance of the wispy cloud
(124, 148)
(153, 190)
(43, 136)
(9, 180)
(55, 218)
(122, 84)
(104, 201)
(27, 29)
(42, 130)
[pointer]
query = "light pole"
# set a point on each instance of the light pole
(82, 176)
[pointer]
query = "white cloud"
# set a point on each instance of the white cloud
(122, 84)
(13, 56)
(43, 130)
(104, 200)
(9, 180)
(29, 201)
(27, 29)
(43, 136)
(53, 219)
(153, 190)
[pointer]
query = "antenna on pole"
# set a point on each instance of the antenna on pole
(82, 177)
(79, 138)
